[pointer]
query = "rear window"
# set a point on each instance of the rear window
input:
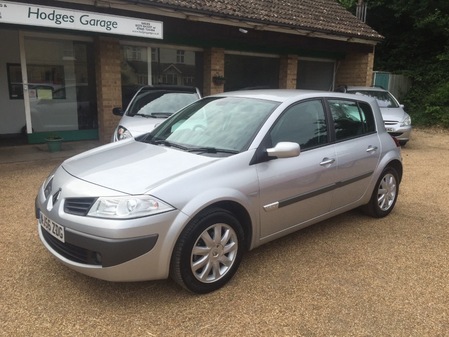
(383, 98)
(147, 103)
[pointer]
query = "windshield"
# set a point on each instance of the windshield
(153, 103)
(214, 124)
(383, 98)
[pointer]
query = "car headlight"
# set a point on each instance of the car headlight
(128, 207)
(407, 121)
(123, 133)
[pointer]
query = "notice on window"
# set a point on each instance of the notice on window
(44, 93)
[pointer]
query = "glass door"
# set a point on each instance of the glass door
(59, 95)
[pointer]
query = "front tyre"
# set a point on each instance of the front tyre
(384, 195)
(208, 251)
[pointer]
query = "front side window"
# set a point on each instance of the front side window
(351, 118)
(214, 125)
(303, 123)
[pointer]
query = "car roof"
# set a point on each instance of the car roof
(287, 95)
(353, 88)
(181, 88)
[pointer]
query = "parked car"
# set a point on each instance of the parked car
(150, 106)
(225, 174)
(397, 122)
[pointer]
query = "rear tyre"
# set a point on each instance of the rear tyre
(208, 252)
(384, 195)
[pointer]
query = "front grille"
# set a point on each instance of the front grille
(72, 252)
(78, 206)
(389, 123)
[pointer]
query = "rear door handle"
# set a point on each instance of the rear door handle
(371, 148)
(327, 161)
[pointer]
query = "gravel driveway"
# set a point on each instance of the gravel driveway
(348, 276)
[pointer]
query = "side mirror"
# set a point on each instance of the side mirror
(284, 150)
(117, 111)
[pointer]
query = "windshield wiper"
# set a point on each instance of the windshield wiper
(146, 116)
(169, 144)
(155, 115)
(161, 114)
(211, 150)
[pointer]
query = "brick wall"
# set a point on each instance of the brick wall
(355, 69)
(288, 71)
(108, 77)
(213, 65)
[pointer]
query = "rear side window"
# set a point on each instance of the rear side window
(351, 118)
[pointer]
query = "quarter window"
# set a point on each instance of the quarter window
(303, 123)
(351, 118)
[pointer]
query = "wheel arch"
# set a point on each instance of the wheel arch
(240, 213)
(397, 165)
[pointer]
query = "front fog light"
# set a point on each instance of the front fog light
(128, 207)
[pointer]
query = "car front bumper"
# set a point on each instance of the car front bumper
(90, 250)
(118, 258)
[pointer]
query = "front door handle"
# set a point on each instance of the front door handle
(327, 161)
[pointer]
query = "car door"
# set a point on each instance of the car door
(357, 149)
(295, 190)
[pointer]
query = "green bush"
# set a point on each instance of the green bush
(428, 100)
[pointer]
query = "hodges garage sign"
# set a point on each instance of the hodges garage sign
(36, 15)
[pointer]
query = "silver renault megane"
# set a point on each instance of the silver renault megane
(224, 175)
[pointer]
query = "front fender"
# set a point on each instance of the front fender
(199, 203)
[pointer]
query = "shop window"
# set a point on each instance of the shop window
(177, 67)
(43, 81)
(61, 87)
(167, 66)
(180, 56)
(134, 53)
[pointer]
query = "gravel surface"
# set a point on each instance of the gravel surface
(348, 276)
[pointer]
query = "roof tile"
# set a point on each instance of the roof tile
(325, 16)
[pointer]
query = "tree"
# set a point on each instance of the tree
(416, 44)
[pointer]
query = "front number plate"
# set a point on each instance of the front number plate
(52, 227)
